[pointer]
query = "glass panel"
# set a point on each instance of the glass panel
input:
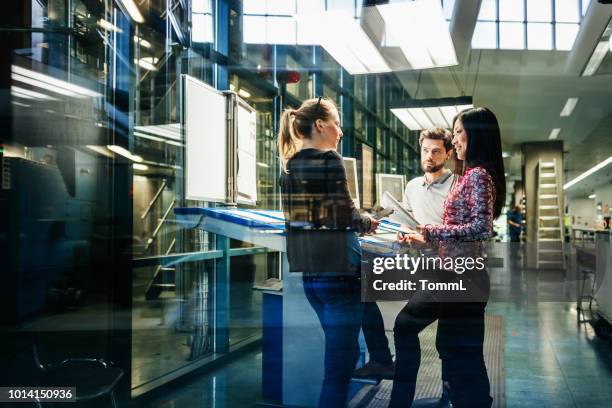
(281, 30)
(567, 11)
(254, 7)
(511, 36)
(202, 29)
(488, 10)
(201, 6)
(281, 7)
(539, 10)
(511, 10)
(171, 324)
(448, 6)
(254, 29)
(539, 36)
(245, 303)
(310, 6)
(566, 35)
(485, 35)
(348, 5)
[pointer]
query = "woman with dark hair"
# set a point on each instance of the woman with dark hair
(322, 221)
(469, 211)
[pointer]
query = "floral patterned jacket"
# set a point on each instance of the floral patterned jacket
(468, 210)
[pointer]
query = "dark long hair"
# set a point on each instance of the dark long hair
(484, 149)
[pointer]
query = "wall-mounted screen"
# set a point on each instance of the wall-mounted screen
(393, 183)
(367, 175)
(205, 129)
(247, 154)
(350, 164)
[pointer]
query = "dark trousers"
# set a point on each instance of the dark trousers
(338, 306)
(459, 341)
(374, 333)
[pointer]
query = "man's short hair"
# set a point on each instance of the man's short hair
(437, 133)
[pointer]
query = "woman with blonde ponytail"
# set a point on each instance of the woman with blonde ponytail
(322, 226)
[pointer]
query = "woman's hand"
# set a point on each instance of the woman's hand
(373, 225)
(411, 238)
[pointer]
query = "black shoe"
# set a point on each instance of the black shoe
(375, 370)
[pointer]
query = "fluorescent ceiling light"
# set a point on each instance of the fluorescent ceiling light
(406, 119)
(52, 83)
(170, 131)
(109, 26)
(422, 20)
(427, 113)
(244, 93)
(569, 107)
(124, 152)
(437, 117)
(554, 133)
(145, 136)
(595, 61)
(505, 155)
(449, 113)
(148, 63)
(142, 41)
(588, 173)
(132, 10)
(100, 150)
(27, 94)
(344, 39)
(36, 83)
(421, 117)
(262, 164)
(592, 196)
(138, 166)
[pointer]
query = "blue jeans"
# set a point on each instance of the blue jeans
(338, 306)
(374, 333)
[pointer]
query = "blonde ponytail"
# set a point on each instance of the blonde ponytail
(289, 141)
(297, 124)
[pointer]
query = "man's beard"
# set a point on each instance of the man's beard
(432, 168)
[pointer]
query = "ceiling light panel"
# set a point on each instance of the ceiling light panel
(596, 58)
(406, 118)
(344, 39)
(588, 173)
(422, 19)
(569, 107)
(436, 117)
(554, 133)
(421, 117)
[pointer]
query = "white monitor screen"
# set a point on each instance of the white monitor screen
(350, 164)
(247, 154)
(393, 183)
(204, 122)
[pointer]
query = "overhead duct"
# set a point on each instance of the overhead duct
(462, 26)
(593, 25)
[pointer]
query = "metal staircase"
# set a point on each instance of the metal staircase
(549, 251)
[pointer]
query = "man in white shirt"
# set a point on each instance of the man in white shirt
(424, 196)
